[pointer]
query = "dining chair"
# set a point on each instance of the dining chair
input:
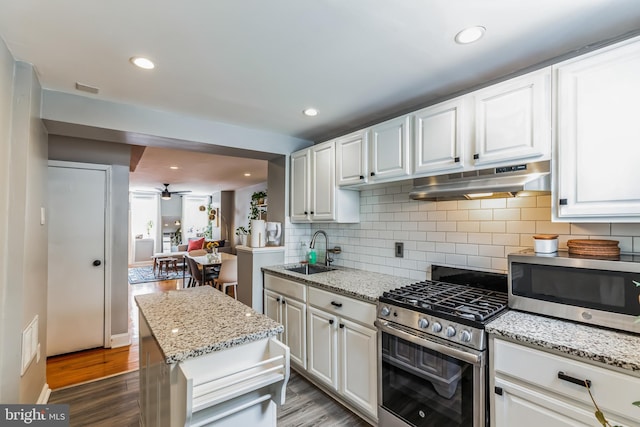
(228, 276)
(196, 274)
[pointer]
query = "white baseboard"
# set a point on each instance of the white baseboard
(44, 395)
(120, 340)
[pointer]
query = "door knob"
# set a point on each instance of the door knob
(97, 263)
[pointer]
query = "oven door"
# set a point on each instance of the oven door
(424, 381)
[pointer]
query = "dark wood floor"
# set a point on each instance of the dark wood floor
(114, 402)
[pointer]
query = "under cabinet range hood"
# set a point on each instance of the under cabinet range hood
(505, 181)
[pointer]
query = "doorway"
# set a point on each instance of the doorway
(78, 283)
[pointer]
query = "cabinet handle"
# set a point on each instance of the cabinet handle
(498, 391)
(563, 202)
(373, 174)
(341, 325)
(361, 176)
(565, 377)
(476, 156)
(457, 160)
(331, 321)
(336, 304)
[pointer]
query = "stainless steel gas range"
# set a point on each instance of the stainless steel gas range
(433, 348)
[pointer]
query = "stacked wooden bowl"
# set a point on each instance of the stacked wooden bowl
(594, 248)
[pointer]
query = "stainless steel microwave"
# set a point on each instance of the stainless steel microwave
(602, 292)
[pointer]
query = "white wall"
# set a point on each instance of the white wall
(477, 234)
(241, 204)
(23, 282)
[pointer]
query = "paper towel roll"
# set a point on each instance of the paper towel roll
(258, 233)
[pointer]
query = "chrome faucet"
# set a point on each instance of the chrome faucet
(312, 245)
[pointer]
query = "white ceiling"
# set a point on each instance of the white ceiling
(258, 63)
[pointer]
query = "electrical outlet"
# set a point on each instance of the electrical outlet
(399, 250)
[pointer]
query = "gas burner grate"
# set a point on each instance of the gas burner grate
(458, 300)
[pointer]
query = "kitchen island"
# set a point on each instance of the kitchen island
(207, 359)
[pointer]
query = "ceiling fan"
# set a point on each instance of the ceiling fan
(166, 194)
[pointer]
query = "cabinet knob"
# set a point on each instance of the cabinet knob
(283, 301)
(476, 156)
(331, 321)
(305, 212)
(361, 176)
(373, 174)
(457, 160)
(563, 202)
(311, 212)
(341, 325)
(278, 299)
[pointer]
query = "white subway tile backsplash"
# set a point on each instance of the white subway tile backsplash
(512, 214)
(480, 238)
(493, 204)
(481, 214)
(474, 233)
(516, 227)
(493, 227)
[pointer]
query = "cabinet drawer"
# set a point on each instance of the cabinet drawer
(613, 391)
(286, 287)
(343, 306)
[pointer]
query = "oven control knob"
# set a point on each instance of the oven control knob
(385, 311)
(437, 327)
(423, 323)
(451, 331)
(465, 336)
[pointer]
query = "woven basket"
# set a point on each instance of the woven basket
(594, 248)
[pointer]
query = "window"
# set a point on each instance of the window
(194, 218)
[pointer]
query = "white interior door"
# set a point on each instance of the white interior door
(76, 291)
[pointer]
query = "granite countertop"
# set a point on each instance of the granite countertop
(360, 284)
(192, 322)
(612, 348)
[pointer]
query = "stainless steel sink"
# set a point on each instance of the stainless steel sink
(310, 269)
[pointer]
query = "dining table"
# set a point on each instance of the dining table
(208, 260)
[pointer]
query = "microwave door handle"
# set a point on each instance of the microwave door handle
(432, 345)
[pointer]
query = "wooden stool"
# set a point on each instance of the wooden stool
(169, 263)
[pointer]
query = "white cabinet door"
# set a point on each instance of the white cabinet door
(441, 135)
(598, 165)
(358, 365)
(272, 307)
(323, 347)
(351, 158)
(294, 314)
(323, 182)
(390, 149)
(513, 120)
(300, 173)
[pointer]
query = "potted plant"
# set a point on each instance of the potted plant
(149, 227)
(242, 233)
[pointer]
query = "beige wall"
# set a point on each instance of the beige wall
(477, 234)
(23, 283)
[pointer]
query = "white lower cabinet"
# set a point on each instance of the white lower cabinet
(342, 350)
(284, 302)
(530, 387)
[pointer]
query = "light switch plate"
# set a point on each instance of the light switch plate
(42, 216)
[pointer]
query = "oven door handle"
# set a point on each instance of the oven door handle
(475, 359)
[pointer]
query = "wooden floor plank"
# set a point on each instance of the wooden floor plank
(114, 402)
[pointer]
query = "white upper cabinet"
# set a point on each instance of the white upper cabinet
(513, 120)
(300, 174)
(390, 148)
(314, 195)
(352, 158)
(598, 137)
(441, 136)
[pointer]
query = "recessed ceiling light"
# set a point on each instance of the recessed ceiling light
(141, 62)
(310, 112)
(247, 174)
(173, 167)
(470, 35)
